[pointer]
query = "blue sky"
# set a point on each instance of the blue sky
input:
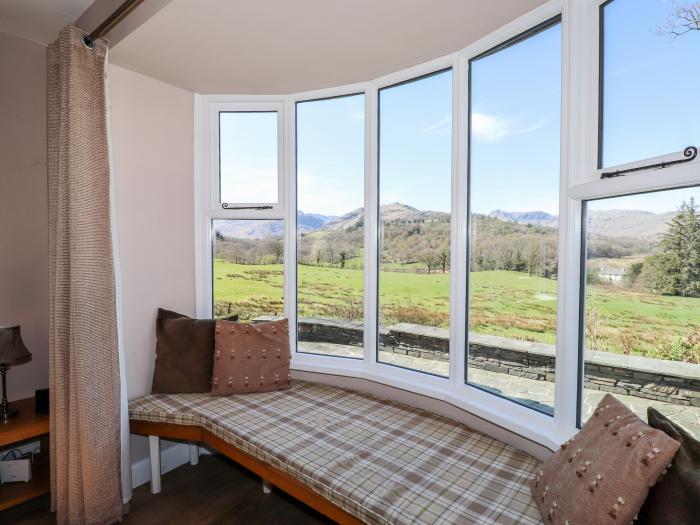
(248, 153)
(651, 108)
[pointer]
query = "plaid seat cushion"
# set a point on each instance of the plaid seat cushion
(379, 460)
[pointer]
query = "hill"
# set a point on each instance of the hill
(541, 218)
(629, 223)
(261, 229)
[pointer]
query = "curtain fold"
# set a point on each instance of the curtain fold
(84, 358)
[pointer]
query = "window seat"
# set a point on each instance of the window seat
(352, 456)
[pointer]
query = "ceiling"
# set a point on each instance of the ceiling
(283, 46)
(39, 20)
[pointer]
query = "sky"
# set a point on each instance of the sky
(651, 108)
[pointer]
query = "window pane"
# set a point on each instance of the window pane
(650, 81)
(414, 221)
(248, 268)
(514, 208)
(330, 226)
(642, 316)
(248, 157)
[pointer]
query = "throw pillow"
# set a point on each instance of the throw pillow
(250, 357)
(184, 354)
(676, 497)
(602, 475)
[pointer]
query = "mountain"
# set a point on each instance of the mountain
(313, 221)
(390, 213)
(541, 218)
(260, 229)
(632, 224)
(629, 223)
(635, 224)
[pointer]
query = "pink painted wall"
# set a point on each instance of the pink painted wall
(24, 286)
(152, 140)
(152, 134)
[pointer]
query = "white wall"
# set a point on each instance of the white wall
(24, 231)
(152, 133)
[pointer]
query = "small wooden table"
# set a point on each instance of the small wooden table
(25, 426)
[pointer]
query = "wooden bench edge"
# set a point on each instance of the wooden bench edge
(280, 479)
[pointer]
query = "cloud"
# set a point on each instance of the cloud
(492, 128)
(444, 124)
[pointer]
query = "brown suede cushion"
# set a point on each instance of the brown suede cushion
(184, 354)
(250, 357)
(602, 475)
(676, 497)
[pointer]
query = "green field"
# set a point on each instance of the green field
(510, 304)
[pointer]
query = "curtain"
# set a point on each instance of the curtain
(84, 359)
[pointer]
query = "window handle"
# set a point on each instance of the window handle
(689, 154)
(227, 206)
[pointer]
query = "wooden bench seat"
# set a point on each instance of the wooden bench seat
(352, 456)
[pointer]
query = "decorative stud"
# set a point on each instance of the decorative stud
(651, 455)
(277, 379)
(262, 380)
(637, 436)
(230, 381)
(217, 355)
(248, 356)
(279, 353)
(593, 484)
(572, 457)
(611, 421)
(582, 468)
(233, 354)
(215, 382)
(264, 353)
(245, 380)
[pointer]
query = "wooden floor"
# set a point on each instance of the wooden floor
(217, 491)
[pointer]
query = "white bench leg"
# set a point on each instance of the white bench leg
(267, 488)
(194, 453)
(154, 452)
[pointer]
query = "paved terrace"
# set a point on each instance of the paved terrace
(531, 392)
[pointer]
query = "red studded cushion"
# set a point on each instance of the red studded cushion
(250, 357)
(602, 475)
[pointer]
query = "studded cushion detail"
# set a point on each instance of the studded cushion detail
(604, 477)
(248, 368)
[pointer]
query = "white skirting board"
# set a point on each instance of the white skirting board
(170, 458)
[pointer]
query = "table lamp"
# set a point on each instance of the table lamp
(12, 352)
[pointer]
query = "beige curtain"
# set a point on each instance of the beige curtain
(84, 369)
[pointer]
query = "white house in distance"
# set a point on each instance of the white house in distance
(611, 274)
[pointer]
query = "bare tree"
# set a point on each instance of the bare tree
(277, 249)
(429, 260)
(685, 17)
(444, 256)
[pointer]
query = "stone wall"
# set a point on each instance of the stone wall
(669, 381)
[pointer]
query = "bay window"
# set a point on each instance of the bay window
(509, 228)
(330, 225)
(415, 132)
(514, 217)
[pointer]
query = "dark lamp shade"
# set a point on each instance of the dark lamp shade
(12, 349)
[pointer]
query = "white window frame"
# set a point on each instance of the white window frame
(579, 181)
(207, 203)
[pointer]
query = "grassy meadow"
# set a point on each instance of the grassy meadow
(510, 304)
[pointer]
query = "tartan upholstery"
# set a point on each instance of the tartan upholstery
(379, 460)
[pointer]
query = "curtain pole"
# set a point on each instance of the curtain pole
(111, 21)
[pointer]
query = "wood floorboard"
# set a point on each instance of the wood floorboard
(215, 492)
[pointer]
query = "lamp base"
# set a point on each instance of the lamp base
(7, 413)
